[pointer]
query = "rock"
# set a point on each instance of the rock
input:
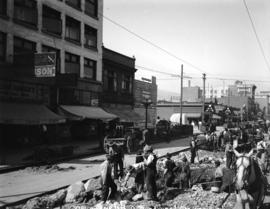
(75, 193)
(92, 185)
(36, 203)
(58, 198)
(97, 195)
(137, 197)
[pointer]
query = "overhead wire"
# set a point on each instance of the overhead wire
(182, 60)
(153, 44)
(256, 35)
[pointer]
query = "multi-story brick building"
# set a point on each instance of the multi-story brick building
(70, 28)
(118, 86)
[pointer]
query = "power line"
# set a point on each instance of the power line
(256, 35)
(153, 44)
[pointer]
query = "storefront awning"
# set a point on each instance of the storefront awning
(125, 115)
(89, 112)
(27, 114)
(193, 115)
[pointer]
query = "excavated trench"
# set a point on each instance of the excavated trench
(88, 194)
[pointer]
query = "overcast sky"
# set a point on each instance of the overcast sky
(215, 36)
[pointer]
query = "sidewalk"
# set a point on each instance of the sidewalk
(21, 184)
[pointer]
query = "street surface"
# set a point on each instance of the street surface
(25, 183)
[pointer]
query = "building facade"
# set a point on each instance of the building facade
(145, 93)
(118, 86)
(72, 29)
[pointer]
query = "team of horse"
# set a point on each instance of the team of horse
(250, 183)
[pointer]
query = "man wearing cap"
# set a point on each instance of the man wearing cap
(117, 155)
(168, 172)
(106, 179)
(150, 161)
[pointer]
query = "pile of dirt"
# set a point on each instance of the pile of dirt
(47, 169)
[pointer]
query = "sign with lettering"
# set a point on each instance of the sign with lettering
(45, 64)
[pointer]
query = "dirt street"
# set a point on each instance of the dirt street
(25, 183)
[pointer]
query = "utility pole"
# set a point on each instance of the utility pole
(203, 98)
(181, 96)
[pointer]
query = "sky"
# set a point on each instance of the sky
(214, 37)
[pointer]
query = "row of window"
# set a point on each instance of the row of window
(90, 6)
(113, 81)
(72, 62)
(25, 12)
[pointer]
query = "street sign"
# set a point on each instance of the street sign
(45, 64)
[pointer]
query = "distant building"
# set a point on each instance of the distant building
(242, 89)
(192, 94)
(216, 92)
(146, 91)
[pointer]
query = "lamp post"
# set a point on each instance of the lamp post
(146, 104)
(210, 111)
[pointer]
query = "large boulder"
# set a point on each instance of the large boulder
(75, 193)
(57, 198)
(36, 203)
(92, 185)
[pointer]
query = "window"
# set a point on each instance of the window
(58, 58)
(91, 7)
(90, 37)
(23, 46)
(110, 81)
(23, 51)
(3, 7)
(127, 83)
(3, 45)
(74, 3)
(72, 63)
(25, 11)
(73, 29)
(51, 20)
(90, 68)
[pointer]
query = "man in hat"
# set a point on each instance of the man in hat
(182, 171)
(193, 148)
(106, 179)
(168, 172)
(150, 161)
(117, 155)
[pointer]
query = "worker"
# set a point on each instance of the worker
(106, 179)
(182, 171)
(218, 175)
(117, 155)
(229, 154)
(150, 161)
(136, 171)
(193, 149)
(168, 172)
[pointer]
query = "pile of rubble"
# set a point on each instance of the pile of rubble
(47, 169)
(199, 196)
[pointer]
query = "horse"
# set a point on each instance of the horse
(249, 183)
